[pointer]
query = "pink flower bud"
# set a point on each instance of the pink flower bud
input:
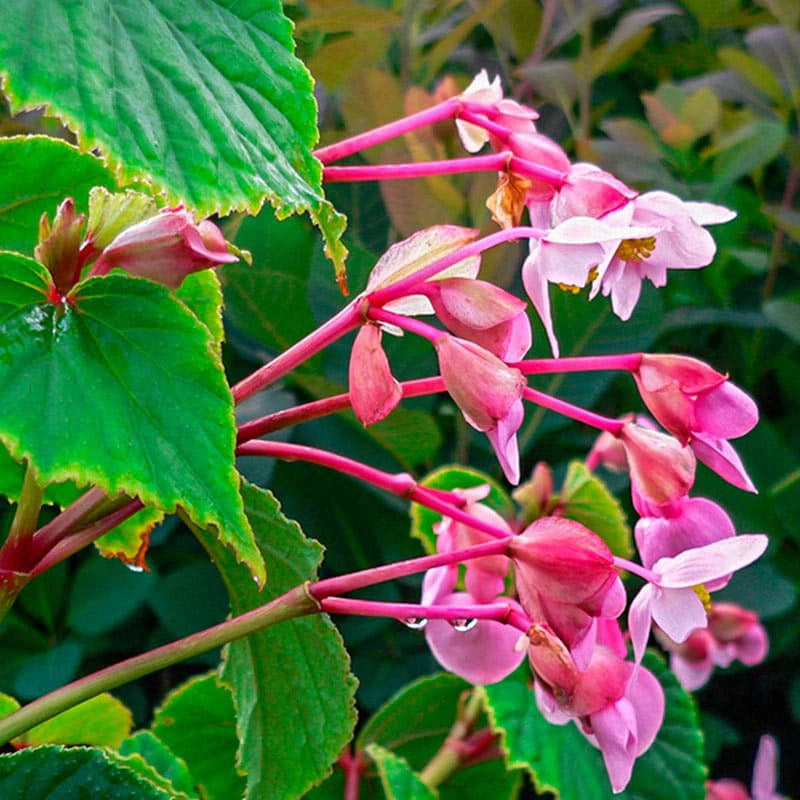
(483, 386)
(373, 390)
(662, 470)
(59, 245)
(166, 248)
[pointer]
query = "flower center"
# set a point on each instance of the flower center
(704, 595)
(636, 249)
(572, 289)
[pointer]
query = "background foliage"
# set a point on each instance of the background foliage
(697, 98)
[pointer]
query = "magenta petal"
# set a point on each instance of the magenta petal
(485, 654)
(614, 731)
(764, 770)
(717, 454)
(692, 675)
(503, 438)
(725, 412)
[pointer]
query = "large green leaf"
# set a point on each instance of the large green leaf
(196, 722)
(36, 174)
(119, 387)
(205, 100)
(561, 760)
(156, 756)
(58, 773)
(291, 683)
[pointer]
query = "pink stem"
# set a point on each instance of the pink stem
(498, 612)
(409, 324)
(542, 366)
(406, 286)
(343, 584)
(613, 426)
(351, 766)
(70, 545)
(636, 569)
(446, 110)
(500, 132)
(320, 408)
(500, 162)
(402, 484)
(337, 326)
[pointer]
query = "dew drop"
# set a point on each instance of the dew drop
(463, 625)
(135, 568)
(415, 623)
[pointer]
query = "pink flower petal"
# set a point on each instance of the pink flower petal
(678, 612)
(719, 455)
(640, 620)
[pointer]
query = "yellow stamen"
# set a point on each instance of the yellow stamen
(704, 595)
(572, 288)
(636, 249)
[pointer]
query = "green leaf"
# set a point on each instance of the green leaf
(784, 315)
(586, 499)
(560, 759)
(202, 293)
(36, 174)
(206, 101)
(8, 705)
(291, 683)
(752, 70)
(449, 478)
(414, 723)
(104, 593)
(130, 539)
(746, 149)
(102, 721)
(119, 387)
(156, 756)
(196, 722)
(57, 773)
(400, 782)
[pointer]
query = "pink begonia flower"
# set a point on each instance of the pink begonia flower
(680, 242)
(503, 111)
(488, 392)
(484, 314)
(689, 522)
(569, 255)
(669, 597)
(661, 469)
(166, 248)
(733, 633)
(765, 777)
(566, 578)
(700, 406)
(485, 576)
(618, 711)
(484, 654)
(373, 390)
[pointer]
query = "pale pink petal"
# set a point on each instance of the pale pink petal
(437, 583)
(678, 612)
(640, 620)
(482, 655)
(708, 213)
(701, 564)
(536, 286)
(692, 675)
(765, 769)
(625, 291)
(752, 648)
(719, 455)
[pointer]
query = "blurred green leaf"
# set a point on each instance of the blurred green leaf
(746, 149)
(102, 721)
(48, 670)
(752, 70)
(784, 315)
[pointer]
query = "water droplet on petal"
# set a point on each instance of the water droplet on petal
(463, 625)
(135, 568)
(415, 623)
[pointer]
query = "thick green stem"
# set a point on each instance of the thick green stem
(449, 757)
(296, 602)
